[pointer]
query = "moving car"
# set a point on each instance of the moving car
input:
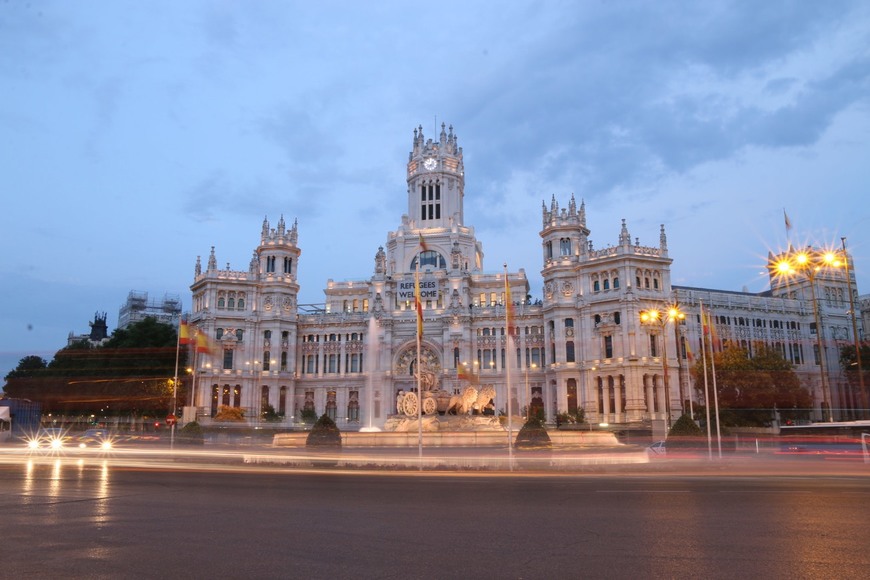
(657, 449)
(96, 439)
(48, 438)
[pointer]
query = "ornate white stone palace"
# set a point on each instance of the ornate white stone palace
(582, 346)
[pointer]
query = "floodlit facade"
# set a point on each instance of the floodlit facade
(582, 345)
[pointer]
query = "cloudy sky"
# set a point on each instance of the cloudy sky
(136, 135)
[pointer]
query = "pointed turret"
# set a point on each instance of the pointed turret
(624, 236)
(663, 240)
(212, 260)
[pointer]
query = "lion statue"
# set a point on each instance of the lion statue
(462, 404)
(486, 394)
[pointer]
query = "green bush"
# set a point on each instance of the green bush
(685, 427)
(191, 434)
(269, 414)
(533, 435)
(325, 433)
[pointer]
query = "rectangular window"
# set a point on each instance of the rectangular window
(608, 346)
(228, 359)
(653, 345)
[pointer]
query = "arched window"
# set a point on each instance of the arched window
(331, 406)
(606, 284)
(282, 401)
(264, 398)
(429, 258)
(565, 246)
(595, 286)
(616, 283)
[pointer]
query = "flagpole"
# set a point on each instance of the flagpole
(418, 308)
(195, 373)
(510, 351)
(715, 388)
(706, 385)
(175, 385)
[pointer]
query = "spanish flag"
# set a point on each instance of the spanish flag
(418, 305)
(423, 246)
(509, 310)
(710, 331)
(204, 344)
(464, 376)
(184, 333)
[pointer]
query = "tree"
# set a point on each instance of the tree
(325, 433)
(27, 367)
(849, 364)
(750, 388)
(129, 374)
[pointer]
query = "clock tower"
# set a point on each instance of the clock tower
(436, 181)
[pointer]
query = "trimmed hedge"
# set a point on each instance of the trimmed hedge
(533, 435)
(325, 433)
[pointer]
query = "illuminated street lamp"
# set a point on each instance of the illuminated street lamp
(528, 396)
(810, 262)
(661, 319)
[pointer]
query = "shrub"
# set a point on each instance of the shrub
(325, 433)
(229, 414)
(191, 434)
(533, 435)
(685, 427)
(685, 434)
(269, 413)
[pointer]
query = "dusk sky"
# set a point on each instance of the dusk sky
(136, 135)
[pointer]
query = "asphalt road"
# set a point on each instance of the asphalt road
(93, 519)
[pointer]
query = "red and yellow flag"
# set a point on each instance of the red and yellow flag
(184, 333)
(465, 376)
(204, 344)
(710, 331)
(423, 246)
(418, 305)
(509, 310)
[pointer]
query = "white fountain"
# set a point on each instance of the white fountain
(371, 369)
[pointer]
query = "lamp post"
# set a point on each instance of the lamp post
(661, 319)
(528, 394)
(864, 404)
(810, 262)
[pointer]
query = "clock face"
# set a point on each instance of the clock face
(430, 164)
